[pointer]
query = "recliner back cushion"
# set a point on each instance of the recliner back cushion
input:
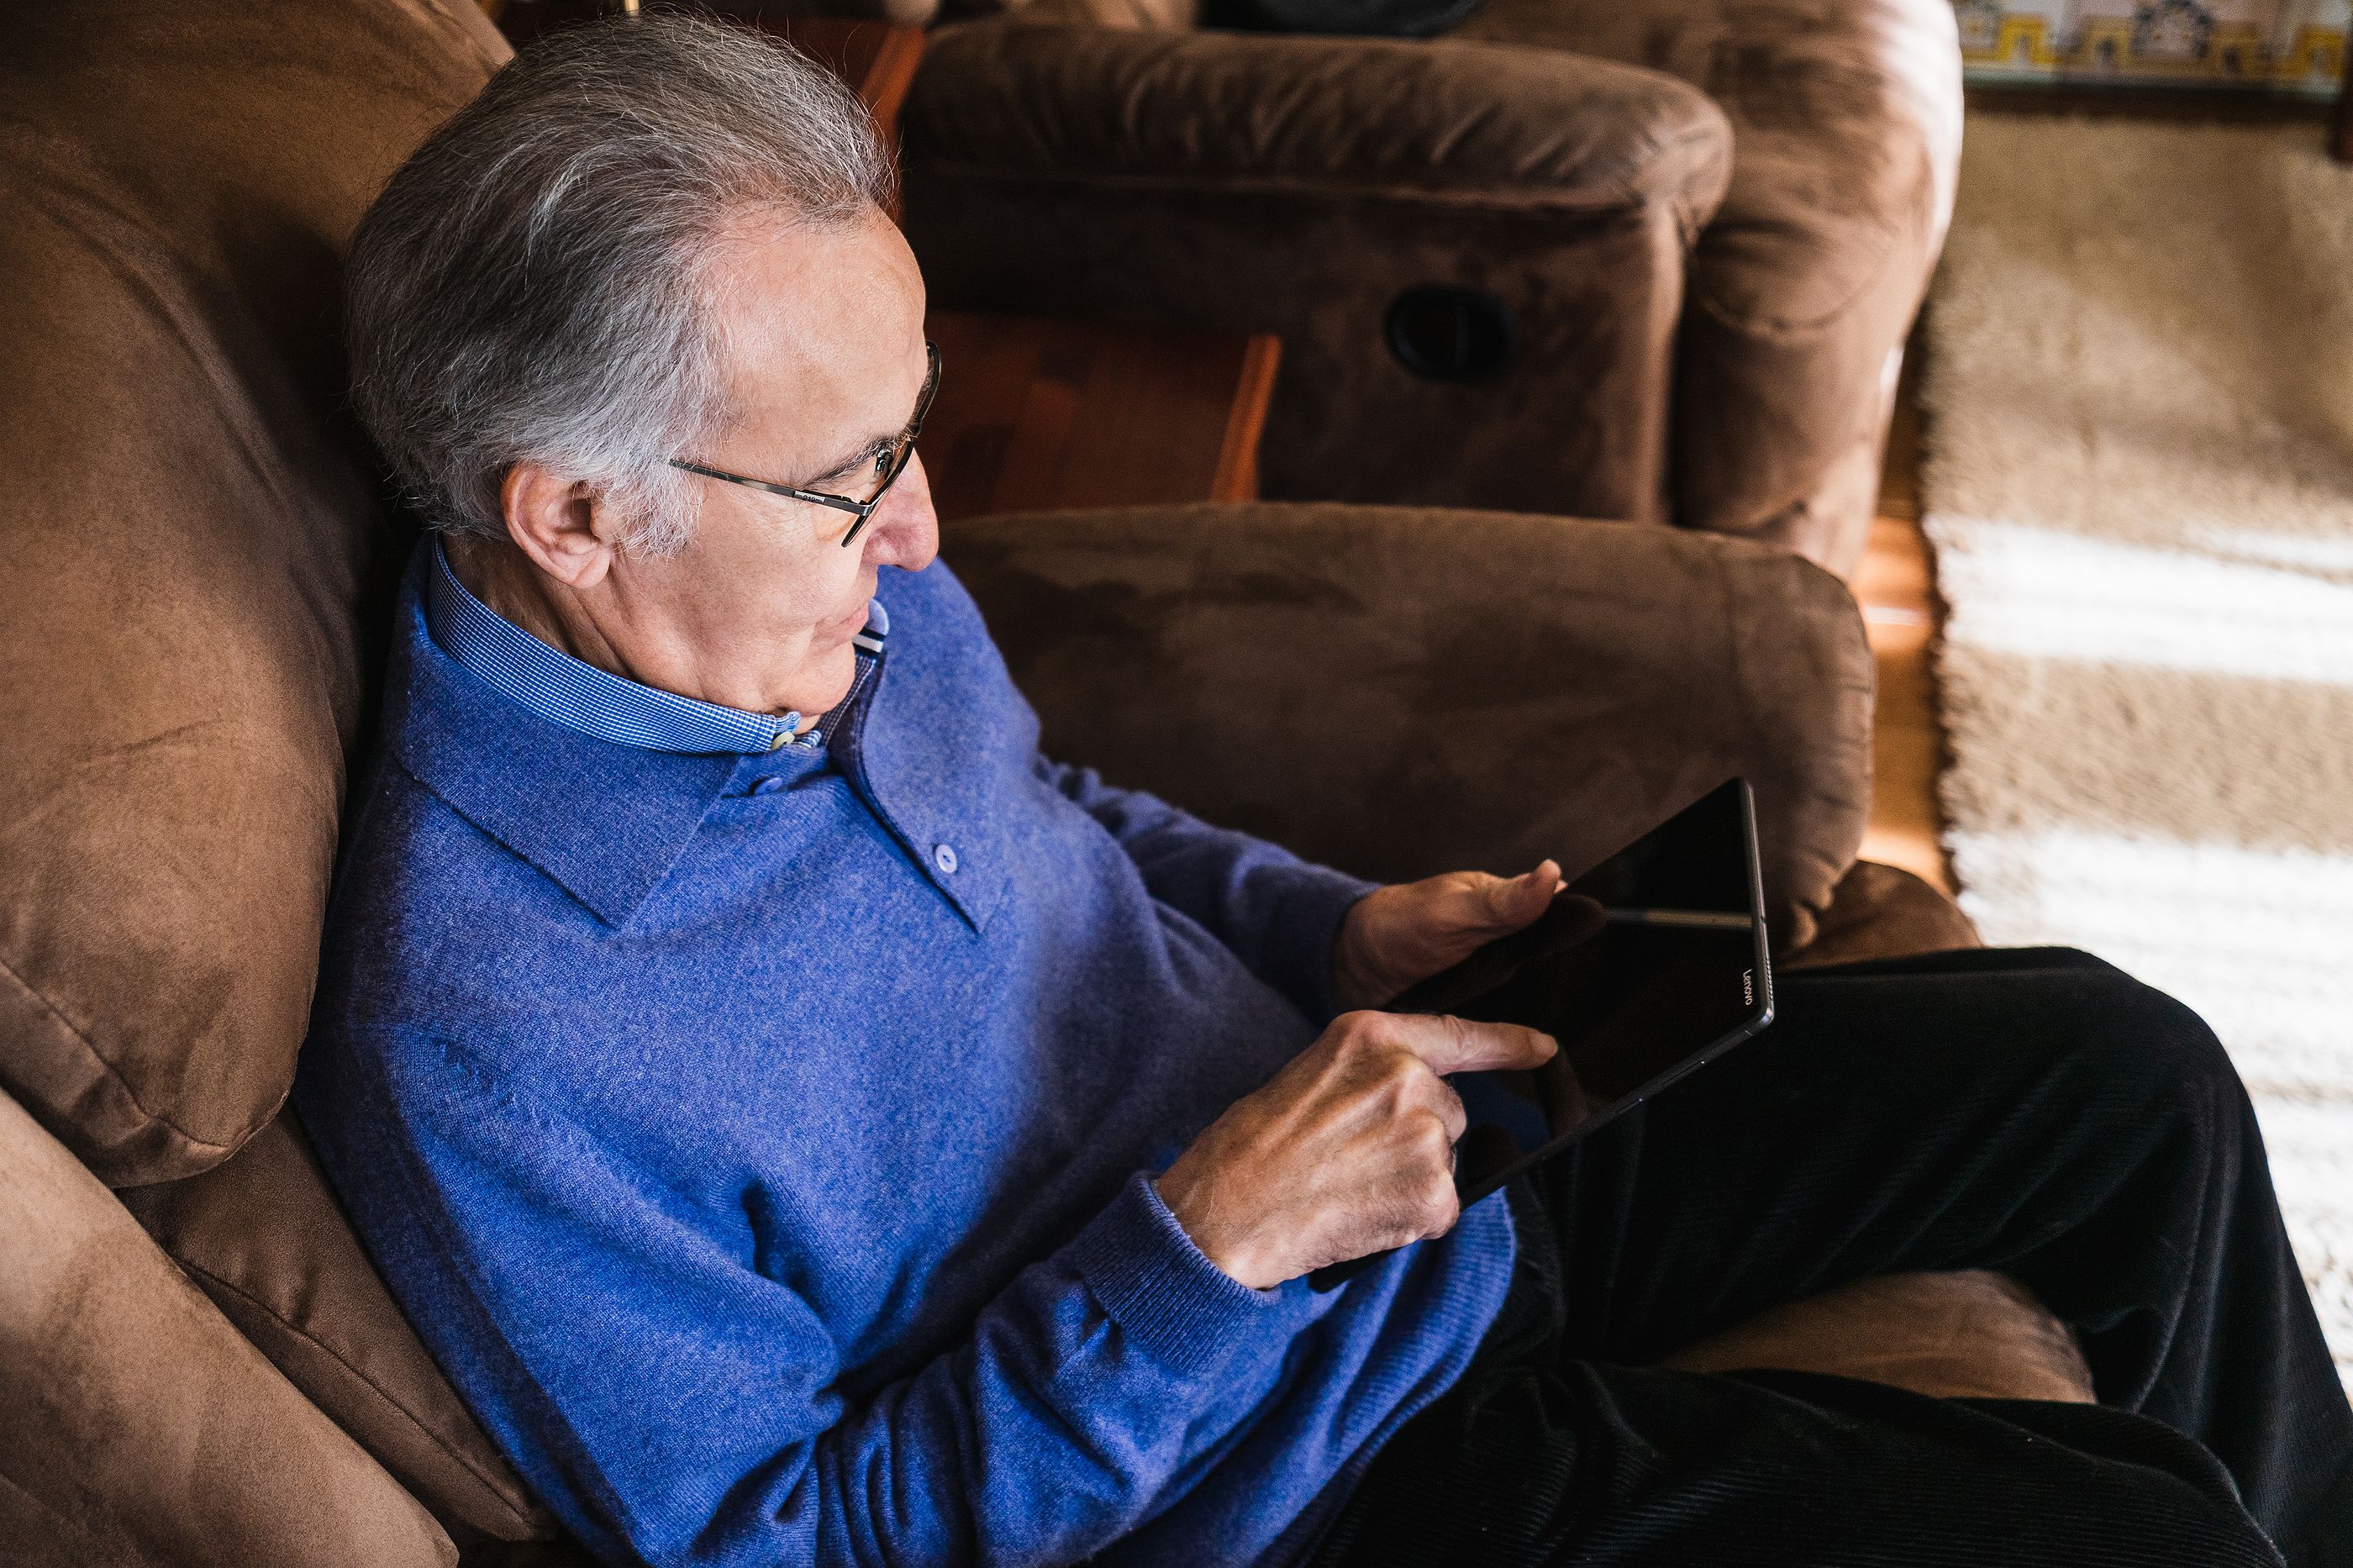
(197, 552)
(1167, 16)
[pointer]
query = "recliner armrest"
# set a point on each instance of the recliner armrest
(1847, 114)
(1440, 122)
(1398, 691)
(139, 1428)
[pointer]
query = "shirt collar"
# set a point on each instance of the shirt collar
(565, 690)
(604, 819)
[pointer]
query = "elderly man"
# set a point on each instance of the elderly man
(809, 1126)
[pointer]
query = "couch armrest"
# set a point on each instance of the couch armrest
(1846, 119)
(139, 1428)
(263, 1234)
(1399, 691)
(1301, 186)
(1447, 122)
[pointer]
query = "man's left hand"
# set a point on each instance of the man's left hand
(1396, 935)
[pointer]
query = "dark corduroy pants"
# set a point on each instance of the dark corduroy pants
(2035, 1112)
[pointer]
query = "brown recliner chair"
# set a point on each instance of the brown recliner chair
(197, 1362)
(1649, 259)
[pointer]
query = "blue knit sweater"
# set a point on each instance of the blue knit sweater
(774, 1187)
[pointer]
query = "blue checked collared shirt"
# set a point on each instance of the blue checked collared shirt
(564, 690)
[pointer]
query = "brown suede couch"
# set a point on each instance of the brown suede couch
(198, 1364)
(1705, 223)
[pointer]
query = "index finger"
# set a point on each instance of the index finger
(1450, 1044)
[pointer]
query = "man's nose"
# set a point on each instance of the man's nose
(905, 531)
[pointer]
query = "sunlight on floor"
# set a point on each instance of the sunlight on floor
(2066, 596)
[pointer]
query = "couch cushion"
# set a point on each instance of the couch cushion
(1883, 911)
(264, 1236)
(138, 1427)
(1972, 1334)
(197, 552)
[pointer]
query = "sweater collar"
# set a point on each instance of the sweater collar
(604, 819)
(577, 695)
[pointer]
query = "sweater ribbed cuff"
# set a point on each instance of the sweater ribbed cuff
(1308, 913)
(1162, 1291)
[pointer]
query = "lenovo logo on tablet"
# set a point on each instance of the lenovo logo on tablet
(1749, 987)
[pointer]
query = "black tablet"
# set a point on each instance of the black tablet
(1650, 966)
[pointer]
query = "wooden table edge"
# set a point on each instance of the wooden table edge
(1236, 478)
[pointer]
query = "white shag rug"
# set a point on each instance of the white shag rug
(2138, 486)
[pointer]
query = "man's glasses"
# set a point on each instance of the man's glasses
(889, 463)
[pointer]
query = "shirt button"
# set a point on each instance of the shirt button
(944, 856)
(767, 787)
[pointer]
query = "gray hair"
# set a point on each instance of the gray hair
(531, 284)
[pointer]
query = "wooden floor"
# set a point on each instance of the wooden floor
(1897, 588)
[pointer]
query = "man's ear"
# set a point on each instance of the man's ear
(553, 520)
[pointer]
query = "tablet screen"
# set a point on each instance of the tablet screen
(1674, 973)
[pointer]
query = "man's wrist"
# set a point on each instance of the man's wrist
(1353, 982)
(1153, 1280)
(1180, 1192)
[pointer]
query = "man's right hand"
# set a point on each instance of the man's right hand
(1348, 1150)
